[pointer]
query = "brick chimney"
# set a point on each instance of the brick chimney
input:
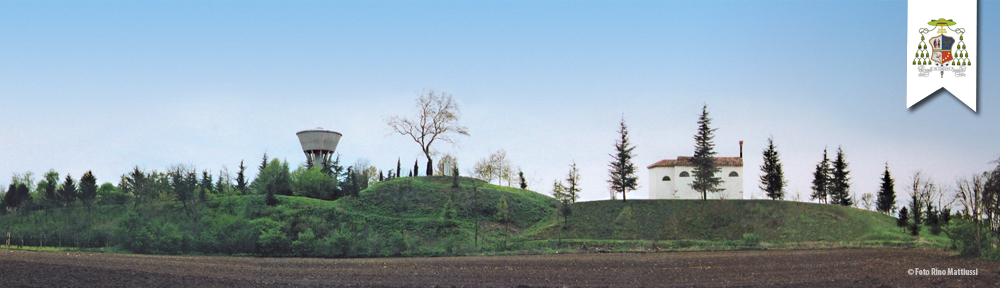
(741, 149)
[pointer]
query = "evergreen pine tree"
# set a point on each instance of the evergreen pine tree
(220, 186)
(821, 180)
(886, 193)
(416, 169)
(206, 183)
(933, 221)
(397, 168)
(772, 178)
(945, 216)
(88, 188)
(903, 218)
(623, 178)
(68, 190)
(840, 188)
(263, 164)
(48, 186)
(381, 176)
(705, 167)
(915, 208)
(241, 180)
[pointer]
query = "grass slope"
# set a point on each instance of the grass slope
(405, 217)
(775, 222)
(402, 216)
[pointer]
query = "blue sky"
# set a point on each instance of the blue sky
(110, 85)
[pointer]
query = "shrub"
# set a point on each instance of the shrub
(970, 239)
(751, 240)
(272, 240)
(305, 245)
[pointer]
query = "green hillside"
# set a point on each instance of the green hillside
(772, 221)
(403, 216)
(425, 216)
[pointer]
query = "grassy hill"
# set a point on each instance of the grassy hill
(403, 216)
(722, 223)
(425, 216)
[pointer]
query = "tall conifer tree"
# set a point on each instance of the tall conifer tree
(821, 180)
(67, 191)
(840, 187)
(241, 180)
(886, 193)
(772, 178)
(705, 167)
(88, 188)
(623, 179)
(263, 165)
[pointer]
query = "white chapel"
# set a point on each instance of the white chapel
(671, 178)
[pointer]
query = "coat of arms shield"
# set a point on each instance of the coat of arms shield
(941, 49)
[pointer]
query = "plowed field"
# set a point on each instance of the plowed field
(794, 268)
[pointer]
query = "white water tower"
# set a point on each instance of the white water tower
(319, 144)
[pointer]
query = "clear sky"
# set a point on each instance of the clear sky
(105, 86)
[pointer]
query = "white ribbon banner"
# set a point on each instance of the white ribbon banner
(941, 45)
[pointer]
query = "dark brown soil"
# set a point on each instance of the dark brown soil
(794, 268)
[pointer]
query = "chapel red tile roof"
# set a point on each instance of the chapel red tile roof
(686, 161)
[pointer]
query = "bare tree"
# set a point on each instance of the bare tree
(483, 170)
(970, 195)
(922, 187)
(437, 118)
(991, 197)
(868, 201)
(496, 166)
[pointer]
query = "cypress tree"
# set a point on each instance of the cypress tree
(397, 168)
(454, 178)
(705, 167)
(416, 169)
(520, 174)
(772, 178)
(623, 178)
(840, 188)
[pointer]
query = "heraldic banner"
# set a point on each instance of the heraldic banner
(941, 49)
